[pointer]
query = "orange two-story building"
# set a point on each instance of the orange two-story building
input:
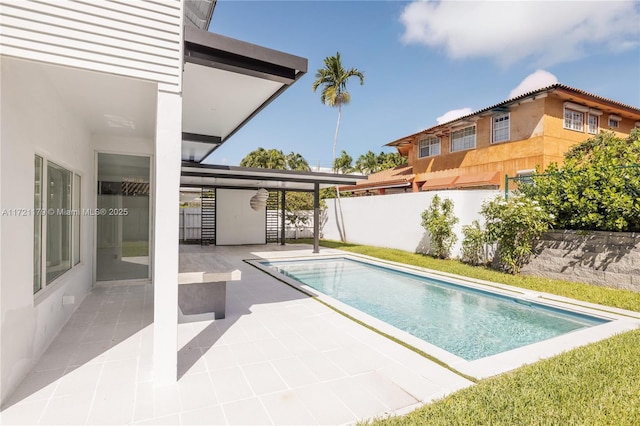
(510, 138)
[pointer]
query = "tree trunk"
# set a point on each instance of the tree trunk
(343, 234)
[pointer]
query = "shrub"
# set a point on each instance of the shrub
(513, 224)
(597, 186)
(473, 244)
(438, 220)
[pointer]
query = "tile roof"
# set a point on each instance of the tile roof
(400, 176)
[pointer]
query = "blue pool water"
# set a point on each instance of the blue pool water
(467, 322)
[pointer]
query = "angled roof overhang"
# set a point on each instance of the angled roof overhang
(226, 82)
(208, 175)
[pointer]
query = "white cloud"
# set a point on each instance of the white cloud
(453, 114)
(509, 31)
(533, 81)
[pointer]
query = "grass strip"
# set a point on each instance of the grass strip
(592, 385)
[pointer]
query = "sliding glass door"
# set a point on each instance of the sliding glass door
(122, 227)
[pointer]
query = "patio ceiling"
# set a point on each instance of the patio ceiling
(203, 175)
(225, 83)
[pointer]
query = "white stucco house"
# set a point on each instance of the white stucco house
(107, 108)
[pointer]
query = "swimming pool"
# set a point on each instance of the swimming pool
(468, 322)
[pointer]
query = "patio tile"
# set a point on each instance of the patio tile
(170, 420)
(246, 412)
(323, 367)
(230, 384)
(247, 353)
(81, 379)
(113, 406)
(144, 407)
(196, 391)
(294, 372)
(273, 349)
(27, 412)
(414, 384)
(118, 373)
(324, 405)
(360, 402)
(90, 352)
(211, 415)
(385, 390)
(285, 408)
(166, 400)
(37, 385)
(263, 378)
(68, 410)
(219, 358)
(191, 361)
(124, 349)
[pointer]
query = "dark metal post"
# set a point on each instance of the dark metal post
(316, 217)
(506, 186)
(282, 233)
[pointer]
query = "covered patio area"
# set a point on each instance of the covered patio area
(278, 357)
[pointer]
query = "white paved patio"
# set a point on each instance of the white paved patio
(279, 357)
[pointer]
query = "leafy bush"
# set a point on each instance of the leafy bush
(513, 224)
(438, 220)
(598, 186)
(473, 244)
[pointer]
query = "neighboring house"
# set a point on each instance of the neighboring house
(510, 138)
(104, 103)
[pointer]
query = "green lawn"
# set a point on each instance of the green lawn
(598, 384)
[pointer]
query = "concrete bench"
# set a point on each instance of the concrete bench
(201, 294)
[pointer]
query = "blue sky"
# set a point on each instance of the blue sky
(422, 60)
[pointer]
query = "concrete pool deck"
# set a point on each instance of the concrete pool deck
(279, 357)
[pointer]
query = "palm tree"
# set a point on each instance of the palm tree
(343, 163)
(333, 79)
(367, 163)
(265, 159)
(296, 161)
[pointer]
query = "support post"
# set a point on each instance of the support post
(506, 186)
(316, 217)
(165, 236)
(282, 232)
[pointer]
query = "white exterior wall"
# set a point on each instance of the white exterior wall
(140, 39)
(35, 122)
(236, 222)
(393, 221)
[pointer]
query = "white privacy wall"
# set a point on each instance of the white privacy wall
(393, 221)
(236, 222)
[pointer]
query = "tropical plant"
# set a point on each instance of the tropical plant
(333, 78)
(296, 161)
(389, 160)
(513, 225)
(265, 159)
(438, 220)
(473, 245)
(343, 163)
(598, 186)
(367, 163)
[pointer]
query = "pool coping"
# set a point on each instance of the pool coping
(620, 320)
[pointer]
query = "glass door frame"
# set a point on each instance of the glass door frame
(152, 186)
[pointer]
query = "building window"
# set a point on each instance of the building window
(593, 124)
(573, 120)
(429, 146)
(501, 128)
(56, 222)
(614, 121)
(463, 139)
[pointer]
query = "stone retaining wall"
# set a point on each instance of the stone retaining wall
(610, 259)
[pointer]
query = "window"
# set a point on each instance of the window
(429, 146)
(593, 124)
(614, 121)
(37, 226)
(463, 139)
(56, 222)
(501, 128)
(573, 120)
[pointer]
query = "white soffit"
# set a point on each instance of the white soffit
(215, 102)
